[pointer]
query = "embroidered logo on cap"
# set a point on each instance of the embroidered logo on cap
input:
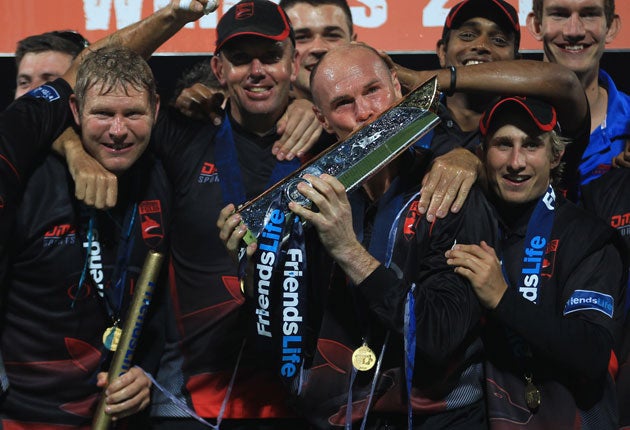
(244, 10)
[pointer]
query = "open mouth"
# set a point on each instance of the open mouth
(258, 90)
(516, 179)
(117, 146)
(574, 48)
(473, 62)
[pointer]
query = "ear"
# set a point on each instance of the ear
(534, 27)
(555, 160)
(397, 85)
(74, 106)
(295, 66)
(216, 64)
(440, 50)
(613, 30)
(322, 120)
(354, 36)
(157, 107)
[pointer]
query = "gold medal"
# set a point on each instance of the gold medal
(363, 358)
(532, 394)
(111, 337)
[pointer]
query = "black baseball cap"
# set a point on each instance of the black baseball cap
(261, 18)
(498, 11)
(542, 114)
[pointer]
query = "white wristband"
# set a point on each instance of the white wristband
(210, 7)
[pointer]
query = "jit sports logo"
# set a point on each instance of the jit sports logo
(62, 234)
(209, 173)
(621, 223)
(151, 221)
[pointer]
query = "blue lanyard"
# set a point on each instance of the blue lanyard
(112, 299)
(536, 240)
(231, 179)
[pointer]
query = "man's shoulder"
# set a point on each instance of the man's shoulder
(577, 223)
(477, 199)
(171, 122)
(175, 133)
(615, 96)
(613, 182)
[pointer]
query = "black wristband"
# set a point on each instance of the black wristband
(453, 85)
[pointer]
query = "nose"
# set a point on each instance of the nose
(118, 129)
(256, 68)
(319, 46)
(573, 28)
(363, 110)
(482, 44)
(516, 161)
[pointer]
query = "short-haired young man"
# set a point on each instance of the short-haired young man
(67, 271)
(554, 288)
(45, 57)
(477, 39)
(385, 257)
(574, 34)
(318, 26)
(211, 166)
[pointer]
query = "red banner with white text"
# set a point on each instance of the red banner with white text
(391, 25)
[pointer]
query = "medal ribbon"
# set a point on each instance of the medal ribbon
(230, 177)
(182, 406)
(536, 239)
(294, 295)
(112, 298)
(280, 312)
(390, 208)
(409, 321)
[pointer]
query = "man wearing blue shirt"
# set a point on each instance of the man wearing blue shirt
(575, 34)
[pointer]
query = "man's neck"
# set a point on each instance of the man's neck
(597, 97)
(259, 124)
(298, 93)
(378, 184)
(467, 109)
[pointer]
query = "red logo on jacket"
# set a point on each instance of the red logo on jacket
(150, 212)
(550, 258)
(411, 221)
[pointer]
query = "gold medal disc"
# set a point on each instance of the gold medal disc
(111, 337)
(363, 358)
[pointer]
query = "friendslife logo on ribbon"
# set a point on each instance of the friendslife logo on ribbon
(269, 245)
(536, 239)
(280, 291)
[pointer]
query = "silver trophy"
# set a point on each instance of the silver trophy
(355, 159)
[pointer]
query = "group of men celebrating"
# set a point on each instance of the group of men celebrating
(483, 297)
